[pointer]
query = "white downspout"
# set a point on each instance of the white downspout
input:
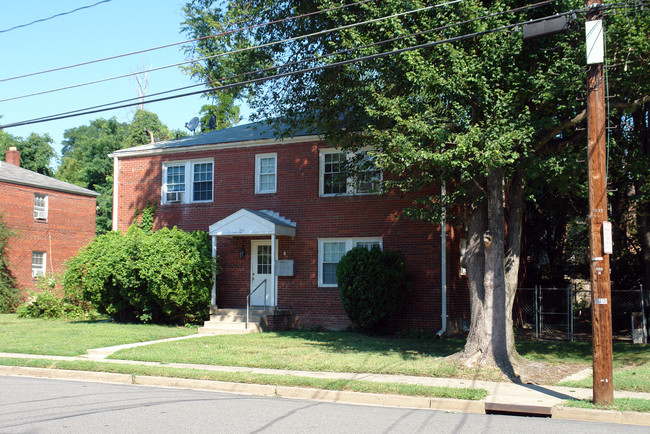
(443, 261)
(213, 295)
(273, 276)
(116, 163)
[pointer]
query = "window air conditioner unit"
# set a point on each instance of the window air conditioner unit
(174, 196)
(40, 214)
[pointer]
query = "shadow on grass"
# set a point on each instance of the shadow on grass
(353, 342)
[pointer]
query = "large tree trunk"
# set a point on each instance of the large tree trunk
(513, 251)
(474, 261)
(492, 275)
(488, 342)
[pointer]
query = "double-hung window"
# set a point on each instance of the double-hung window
(347, 173)
(266, 168)
(330, 252)
(40, 206)
(188, 181)
(38, 264)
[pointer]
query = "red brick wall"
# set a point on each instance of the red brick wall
(70, 225)
(297, 199)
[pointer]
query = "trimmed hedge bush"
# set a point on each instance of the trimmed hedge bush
(161, 277)
(371, 283)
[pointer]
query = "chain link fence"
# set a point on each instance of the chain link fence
(565, 313)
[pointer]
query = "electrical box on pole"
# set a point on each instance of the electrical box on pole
(546, 27)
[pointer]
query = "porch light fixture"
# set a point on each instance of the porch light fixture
(242, 252)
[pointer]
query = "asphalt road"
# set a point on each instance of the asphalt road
(36, 405)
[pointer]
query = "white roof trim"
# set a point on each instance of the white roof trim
(246, 222)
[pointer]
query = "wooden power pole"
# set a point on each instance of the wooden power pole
(599, 228)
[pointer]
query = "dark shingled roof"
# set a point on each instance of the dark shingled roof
(18, 175)
(242, 133)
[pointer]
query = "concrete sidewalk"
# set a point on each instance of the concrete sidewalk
(509, 398)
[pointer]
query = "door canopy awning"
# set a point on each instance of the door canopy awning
(247, 222)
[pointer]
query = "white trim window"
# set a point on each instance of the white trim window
(38, 264)
(333, 181)
(189, 181)
(266, 169)
(40, 206)
(330, 252)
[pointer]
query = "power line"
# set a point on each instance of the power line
(242, 50)
(447, 26)
(303, 71)
(55, 16)
(132, 53)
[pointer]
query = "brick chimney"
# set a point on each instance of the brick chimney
(12, 156)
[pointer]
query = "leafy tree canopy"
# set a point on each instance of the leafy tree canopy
(481, 109)
(36, 151)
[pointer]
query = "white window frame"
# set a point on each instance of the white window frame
(39, 271)
(350, 243)
(40, 212)
(258, 173)
(351, 183)
(188, 193)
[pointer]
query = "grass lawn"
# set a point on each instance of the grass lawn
(316, 351)
(304, 350)
(619, 404)
(73, 338)
(253, 378)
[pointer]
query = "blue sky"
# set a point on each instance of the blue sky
(108, 29)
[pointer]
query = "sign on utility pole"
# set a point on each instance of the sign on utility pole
(599, 229)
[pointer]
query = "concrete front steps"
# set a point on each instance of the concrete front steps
(233, 321)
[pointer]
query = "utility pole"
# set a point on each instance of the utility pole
(599, 228)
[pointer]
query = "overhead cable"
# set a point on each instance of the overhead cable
(242, 50)
(311, 59)
(54, 16)
(297, 72)
(132, 53)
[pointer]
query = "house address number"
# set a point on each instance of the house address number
(601, 301)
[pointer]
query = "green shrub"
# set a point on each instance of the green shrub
(48, 302)
(370, 283)
(161, 277)
(9, 292)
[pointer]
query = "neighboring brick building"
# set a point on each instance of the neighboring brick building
(260, 197)
(51, 219)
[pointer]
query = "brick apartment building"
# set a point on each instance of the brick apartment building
(262, 198)
(51, 219)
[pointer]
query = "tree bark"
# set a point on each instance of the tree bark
(491, 339)
(513, 251)
(477, 343)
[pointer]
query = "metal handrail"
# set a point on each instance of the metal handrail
(248, 300)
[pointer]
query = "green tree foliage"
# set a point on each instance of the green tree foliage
(36, 152)
(371, 283)
(225, 111)
(85, 153)
(482, 113)
(160, 277)
(143, 125)
(85, 162)
(9, 293)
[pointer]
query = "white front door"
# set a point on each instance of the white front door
(260, 273)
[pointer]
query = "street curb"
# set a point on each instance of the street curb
(215, 386)
(596, 415)
(63, 374)
(348, 397)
